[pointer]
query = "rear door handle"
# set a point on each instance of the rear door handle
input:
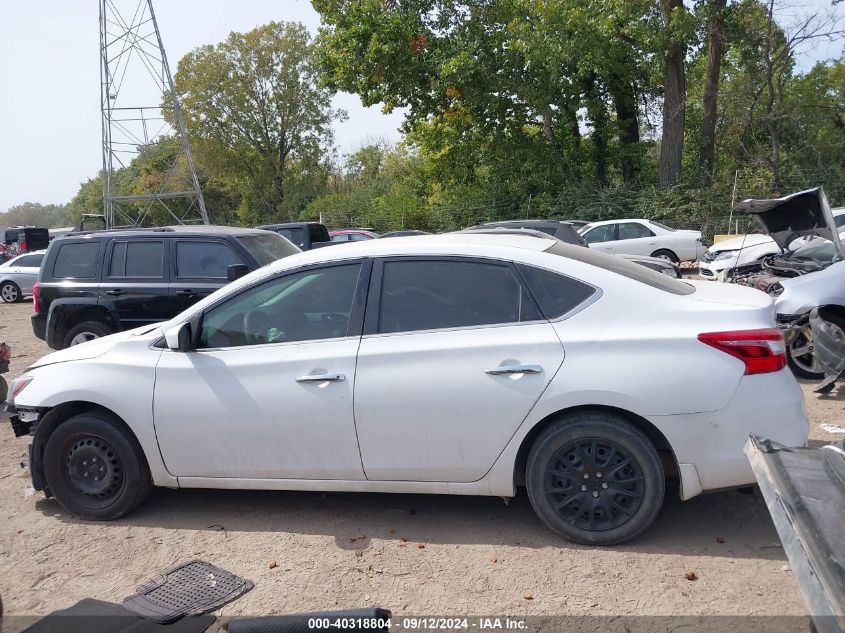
(185, 293)
(515, 369)
(322, 378)
(114, 293)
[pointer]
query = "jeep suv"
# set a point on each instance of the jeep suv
(94, 284)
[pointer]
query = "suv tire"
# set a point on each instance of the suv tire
(95, 467)
(86, 331)
(594, 478)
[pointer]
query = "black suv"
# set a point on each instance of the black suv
(97, 283)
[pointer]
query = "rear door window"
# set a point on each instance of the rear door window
(632, 231)
(599, 234)
(77, 261)
(29, 261)
(141, 258)
(204, 260)
(437, 294)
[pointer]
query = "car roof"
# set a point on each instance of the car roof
(468, 244)
(180, 230)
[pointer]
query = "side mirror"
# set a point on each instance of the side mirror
(179, 338)
(236, 271)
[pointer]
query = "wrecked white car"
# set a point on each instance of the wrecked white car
(811, 276)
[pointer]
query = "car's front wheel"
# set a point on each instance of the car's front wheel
(95, 467)
(594, 478)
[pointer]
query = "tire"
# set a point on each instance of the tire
(802, 364)
(559, 493)
(10, 292)
(666, 254)
(95, 467)
(86, 331)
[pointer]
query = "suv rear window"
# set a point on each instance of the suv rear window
(622, 267)
(266, 248)
(77, 261)
(294, 234)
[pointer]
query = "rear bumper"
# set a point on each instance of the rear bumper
(769, 405)
(39, 325)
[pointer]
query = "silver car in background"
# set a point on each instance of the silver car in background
(18, 275)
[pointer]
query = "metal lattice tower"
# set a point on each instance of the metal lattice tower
(134, 70)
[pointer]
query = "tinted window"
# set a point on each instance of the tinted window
(267, 247)
(295, 235)
(204, 259)
(598, 234)
(29, 261)
(357, 237)
(632, 231)
(556, 294)
(308, 305)
(77, 261)
(839, 220)
(318, 233)
(137, 259)
(428, 295)
(343, 237)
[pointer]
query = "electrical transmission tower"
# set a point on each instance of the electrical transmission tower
(133, 71)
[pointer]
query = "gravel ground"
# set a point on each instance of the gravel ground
(434, 555)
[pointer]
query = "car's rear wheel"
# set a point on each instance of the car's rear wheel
(800, 356)
(10, 292)
(86, 331)
(667, 255)
(594, 478)
(95, 467)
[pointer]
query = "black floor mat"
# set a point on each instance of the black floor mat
(95, 616)
(187, 589)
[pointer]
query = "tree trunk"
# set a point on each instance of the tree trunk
(674, 102)
(625, 102)
(715, 52)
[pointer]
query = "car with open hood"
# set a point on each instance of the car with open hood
(810, 276)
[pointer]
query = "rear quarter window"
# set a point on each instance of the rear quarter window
(77, 261)
(556, 294)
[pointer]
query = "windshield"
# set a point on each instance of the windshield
(819, 249)
(267, 247)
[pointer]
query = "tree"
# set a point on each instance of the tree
(258, 99)
(674, 93)
(715, 42)
(36, 214)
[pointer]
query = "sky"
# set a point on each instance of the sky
(50, 99)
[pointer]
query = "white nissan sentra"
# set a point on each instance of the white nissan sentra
(453, 364)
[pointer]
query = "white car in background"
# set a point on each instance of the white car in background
(460, 363)
(18, 275)
(643, 237)
(745, 249)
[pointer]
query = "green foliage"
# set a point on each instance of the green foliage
(34, 214)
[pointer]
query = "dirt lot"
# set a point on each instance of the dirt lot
(415, 554)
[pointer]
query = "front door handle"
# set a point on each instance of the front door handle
(515, 369)
(185, 293)
(114, 293)
(322, 378)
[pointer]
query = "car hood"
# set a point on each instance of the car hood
(803, 214)
(741, 241)
(91, 349)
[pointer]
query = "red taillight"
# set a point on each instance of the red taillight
(762, 351)
(23, 245)
(35, 305)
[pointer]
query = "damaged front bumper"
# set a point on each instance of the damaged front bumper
(20, 419)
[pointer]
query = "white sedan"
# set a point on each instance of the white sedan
(18, 275)
(451, 364)
(644, 237)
